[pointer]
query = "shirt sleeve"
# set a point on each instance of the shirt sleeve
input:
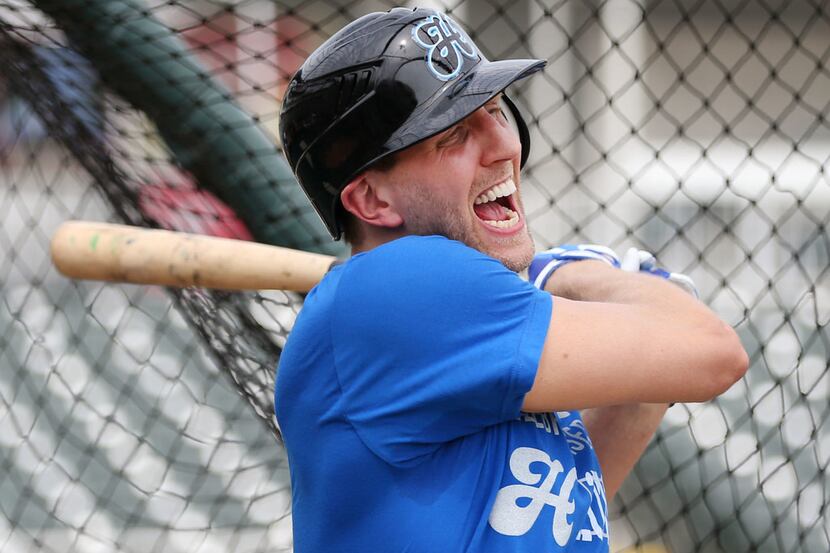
(432, 341)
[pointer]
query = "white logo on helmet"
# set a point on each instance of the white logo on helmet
(446, 45)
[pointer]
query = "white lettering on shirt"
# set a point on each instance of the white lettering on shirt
(577, 436)
(508, 517)
(542, 421)
(592, 482)
(517, 507)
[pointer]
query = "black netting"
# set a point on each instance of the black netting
(137, 418)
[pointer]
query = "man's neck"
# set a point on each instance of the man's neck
(371, 240)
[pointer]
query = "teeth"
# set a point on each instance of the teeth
(499, 191)
(507, 223)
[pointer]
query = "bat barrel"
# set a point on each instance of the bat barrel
(119, 253)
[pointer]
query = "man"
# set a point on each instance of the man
(428, 396)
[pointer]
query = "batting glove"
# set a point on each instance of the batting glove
(546, 262)
(642, 261)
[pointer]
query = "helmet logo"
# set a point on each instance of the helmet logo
(446, 45)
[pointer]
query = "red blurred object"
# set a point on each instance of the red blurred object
(186, 208)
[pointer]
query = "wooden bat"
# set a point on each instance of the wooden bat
(120, 253)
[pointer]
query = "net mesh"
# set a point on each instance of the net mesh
(139, 418)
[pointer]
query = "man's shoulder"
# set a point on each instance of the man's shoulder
(414, 260)
(415, 247)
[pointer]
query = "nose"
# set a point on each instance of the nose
(499, 140)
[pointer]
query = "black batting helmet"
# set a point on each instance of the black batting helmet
(379, 85)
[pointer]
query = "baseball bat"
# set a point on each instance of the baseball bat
(120, 253)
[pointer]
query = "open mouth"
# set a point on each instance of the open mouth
(496, 206)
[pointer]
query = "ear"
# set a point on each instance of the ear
(368, 200)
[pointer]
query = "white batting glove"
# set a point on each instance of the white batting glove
(642, 261)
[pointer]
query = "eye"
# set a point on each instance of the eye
(495, 109)
(455, 135)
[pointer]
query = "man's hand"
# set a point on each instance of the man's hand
(636, 260)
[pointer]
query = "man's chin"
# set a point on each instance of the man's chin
(515, 252)
(516, 263)
(515, 256)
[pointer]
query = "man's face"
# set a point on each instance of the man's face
(463, 184)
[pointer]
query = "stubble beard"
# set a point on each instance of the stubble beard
(436, 217)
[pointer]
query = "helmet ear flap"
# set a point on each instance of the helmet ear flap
(521, 127)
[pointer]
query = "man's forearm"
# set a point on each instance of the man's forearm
(620, 434)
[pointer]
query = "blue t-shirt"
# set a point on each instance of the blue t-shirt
(399, 397)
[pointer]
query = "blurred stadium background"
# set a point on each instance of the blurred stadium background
(139, 419)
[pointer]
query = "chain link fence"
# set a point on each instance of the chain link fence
(140, 419)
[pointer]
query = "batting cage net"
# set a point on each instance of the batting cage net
(137, 418)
